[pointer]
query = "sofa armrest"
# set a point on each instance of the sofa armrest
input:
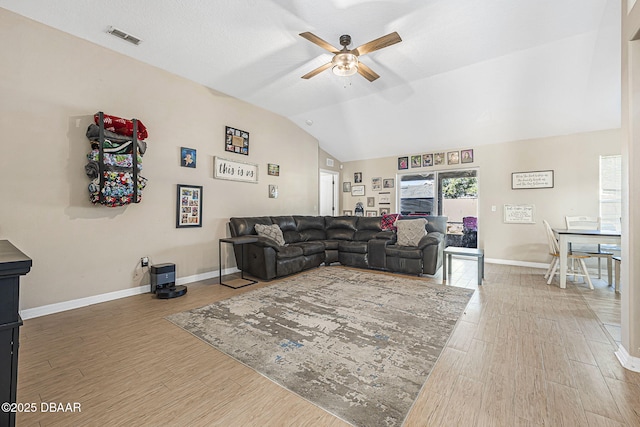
(265, 242)
(387, 235)
(433, 238)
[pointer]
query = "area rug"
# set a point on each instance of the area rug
(356, 343)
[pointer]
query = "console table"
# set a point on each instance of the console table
(240, 240)
(468, 252)
(13, 264)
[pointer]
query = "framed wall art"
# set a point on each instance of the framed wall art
(371, 213)
(376, 184)
(529, 180)
(187, 157)
(347, 213)
(388, 183)
(273, 169)
(427, 160)
(403, 163)
(357, 190)
(273, 191)
(385, 199)
(438, 159)
(466, 156)
(234, 171)
(519, 214)
(236, 141)
(189, 206)
(384, 211)
(346, 187)
(416, 161)
(371, 202)
(357, 177)
(453, 157)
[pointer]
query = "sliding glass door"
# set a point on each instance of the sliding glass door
(450, 193)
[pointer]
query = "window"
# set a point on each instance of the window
(610, 192)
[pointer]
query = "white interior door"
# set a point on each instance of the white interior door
(328, 193)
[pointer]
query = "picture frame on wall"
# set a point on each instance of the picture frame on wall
(388, 183)
(347, 213)
(416, 161)
(189, 206)
(236, 141)
(438, 159)
(273, 169)
(187, 157)
(384, 211)
(357, 177)
(357, 190)
(453, 157)
(346, 187)
(273, 191)
(403, 163)
(384, 199)
(371, 202)
(466, 156)
(376, 184)
(427, 160)
(371, 213)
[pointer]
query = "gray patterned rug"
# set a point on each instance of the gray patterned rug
(358, 344)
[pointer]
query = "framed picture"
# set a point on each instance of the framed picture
(234, 170)
(388, 183)
(453, 157)
(357, 190)
(187, 157)
(189, 206)
(273, 169)
(384, 199)
(273, 191)
(466, 156)
(346, 187)
(384, 211)
(236, 141)
(371, 213)
(371, 202)
(416, 161)
(403, 163)
(357, 177)
(427, 160)
(347, 213)
(438, 159)
(376, 184)
(519, 214)
(529, 180)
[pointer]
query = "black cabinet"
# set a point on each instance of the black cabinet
(13, 264)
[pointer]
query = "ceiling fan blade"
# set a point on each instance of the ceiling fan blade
(317, 40)
(317, 71)
(367, 72)
(377, 44)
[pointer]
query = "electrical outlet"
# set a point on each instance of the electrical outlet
(144, 261)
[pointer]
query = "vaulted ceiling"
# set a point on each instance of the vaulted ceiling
(466, 73)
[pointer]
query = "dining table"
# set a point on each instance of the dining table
(570, 236)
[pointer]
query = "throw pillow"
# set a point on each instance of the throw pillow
(388, 221)
(272, 232)
(410, 231)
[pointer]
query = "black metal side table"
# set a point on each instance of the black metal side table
(240, 240)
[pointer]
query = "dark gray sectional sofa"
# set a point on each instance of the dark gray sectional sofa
(350, 240)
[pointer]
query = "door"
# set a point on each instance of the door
(328, 193)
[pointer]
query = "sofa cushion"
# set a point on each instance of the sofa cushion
(246, 226)
(353, 247)
(291, 251)
(310, 248)
(331, 244)
(272, 232)
(410, 231)
(341, 227)
(403, 252)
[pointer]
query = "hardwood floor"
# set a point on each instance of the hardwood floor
(523, 354)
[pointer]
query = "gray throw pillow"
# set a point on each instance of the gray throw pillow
(272, 232)
(410, 231)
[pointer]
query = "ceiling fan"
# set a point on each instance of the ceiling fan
(345, 62)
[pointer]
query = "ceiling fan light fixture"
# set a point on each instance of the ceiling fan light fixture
(344, 64)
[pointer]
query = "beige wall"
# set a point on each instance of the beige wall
(573, 158)
(50, 85)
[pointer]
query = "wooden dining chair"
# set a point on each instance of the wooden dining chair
(596, 251)
(554, 251)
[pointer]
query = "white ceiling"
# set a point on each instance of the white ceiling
(467, 72)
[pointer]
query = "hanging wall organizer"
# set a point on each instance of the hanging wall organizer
(115, 160)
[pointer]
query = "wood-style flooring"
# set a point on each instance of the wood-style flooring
(523, 354)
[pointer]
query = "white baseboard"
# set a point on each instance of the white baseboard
(44, 310)
(626, 360)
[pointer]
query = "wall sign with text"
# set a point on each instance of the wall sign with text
(518, 214)
(234, 171)
(535, 179)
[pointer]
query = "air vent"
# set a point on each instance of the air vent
(124, 36)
